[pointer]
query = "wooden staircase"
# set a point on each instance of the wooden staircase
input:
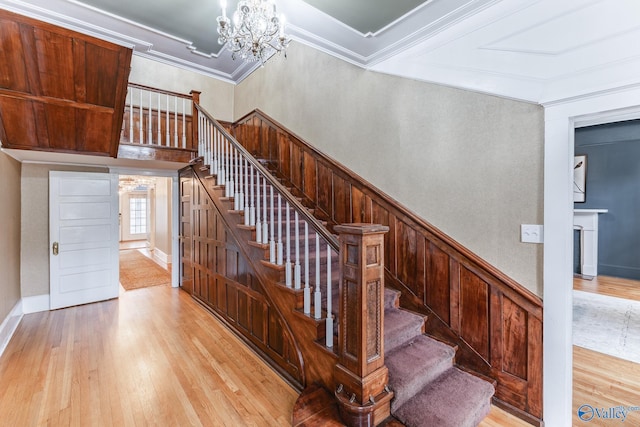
(331, 298)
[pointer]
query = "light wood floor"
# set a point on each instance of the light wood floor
(603, 381)
(153, 357)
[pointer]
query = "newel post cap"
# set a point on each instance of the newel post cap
(360, 228)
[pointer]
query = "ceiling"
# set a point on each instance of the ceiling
(542, 51)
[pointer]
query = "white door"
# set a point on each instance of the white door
(83, 238)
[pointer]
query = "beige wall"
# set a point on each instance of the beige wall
(163, 215)
(9, 234)
(216, 97)
(34, 259)
(468, 163)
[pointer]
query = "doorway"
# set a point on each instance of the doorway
(146, 231)
(561, 119)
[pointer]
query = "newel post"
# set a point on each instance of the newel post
(361, 375)
(195, 100)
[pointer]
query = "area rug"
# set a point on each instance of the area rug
(138, 271)
(607, 325)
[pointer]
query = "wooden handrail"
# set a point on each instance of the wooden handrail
(302, 210)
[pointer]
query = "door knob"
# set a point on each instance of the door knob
(55, 248)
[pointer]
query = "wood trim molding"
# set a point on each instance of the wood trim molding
(495, 322)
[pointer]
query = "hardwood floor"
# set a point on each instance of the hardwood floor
(603, 381)
(152, 357)
(612, 286)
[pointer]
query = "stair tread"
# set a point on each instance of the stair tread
(454, 399)
(422, 354)
(400, 326)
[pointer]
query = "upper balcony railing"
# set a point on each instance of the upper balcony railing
(159, 119)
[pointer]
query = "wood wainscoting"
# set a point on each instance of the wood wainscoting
(495, 322)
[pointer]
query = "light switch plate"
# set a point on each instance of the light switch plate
(531, 233)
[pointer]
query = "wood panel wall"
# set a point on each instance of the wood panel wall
(60, 90)
(223, 280)
(496, 323)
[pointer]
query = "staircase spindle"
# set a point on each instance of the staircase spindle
(247, 193)
(296, 268)
(265, 235)
(279, 259)
(272, 242)
(168, 135)
(149, 131)
(231, 173)
(214, 162)
(237, 180)
(210, 143)
(175, 122)
(141, 117)
(287, 266)
(131, 115)
(258, 211)
(222, 174)
(329, 320)
(159, 138)
(307, 290)
(317, 296)
(252, 206)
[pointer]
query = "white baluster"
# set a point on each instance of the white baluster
(231, 172)
(150, 120)
(159, 139)
(279, 246)
(317, 296)
(307, 290)
(214, 168)
(131, 115)
(168, 136)
(141, 117)
(222, 174)
(252, 207)
(272, 242)
(237, 198)
(210, 144)
(258, 212)
(175, 121)
(329, 322)
(265, 235)
(288, 266)
(184, 126)
(247, 215)
(201, 148)
(296, 267)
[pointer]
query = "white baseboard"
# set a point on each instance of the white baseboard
(161, 256)
(35, 304)
(9, 325)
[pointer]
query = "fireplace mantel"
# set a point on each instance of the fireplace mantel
(586, 220)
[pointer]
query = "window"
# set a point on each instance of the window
(137, 214)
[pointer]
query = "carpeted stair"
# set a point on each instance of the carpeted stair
(429, 390)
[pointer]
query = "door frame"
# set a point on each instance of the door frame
(173, 174)
(561, 120)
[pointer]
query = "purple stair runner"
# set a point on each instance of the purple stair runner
(429, 390)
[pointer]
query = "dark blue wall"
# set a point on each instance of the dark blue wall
(613, 182)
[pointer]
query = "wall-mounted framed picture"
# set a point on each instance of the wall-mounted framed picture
(579, 178)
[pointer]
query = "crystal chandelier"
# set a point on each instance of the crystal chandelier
(256, 33)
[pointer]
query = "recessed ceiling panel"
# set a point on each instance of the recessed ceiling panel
(190, 20)
(366, 16)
